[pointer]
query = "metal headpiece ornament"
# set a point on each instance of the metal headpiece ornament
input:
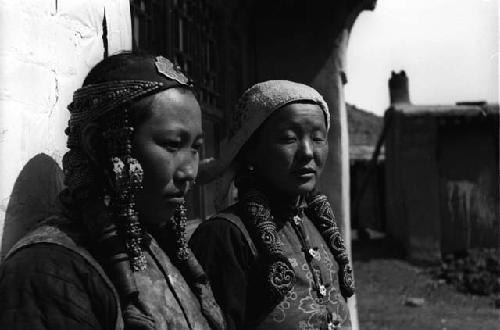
(170, 70)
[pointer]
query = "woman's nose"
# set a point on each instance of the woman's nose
(306, 149)
(187, 168)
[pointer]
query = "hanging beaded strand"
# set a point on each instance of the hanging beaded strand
(191, 269)
(128, 177)
(179, 220)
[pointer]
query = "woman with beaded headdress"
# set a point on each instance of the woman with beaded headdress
(116, 257)
(276, 258)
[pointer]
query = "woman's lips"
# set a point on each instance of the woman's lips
(175, 198)
(305, 170)
(305, 173)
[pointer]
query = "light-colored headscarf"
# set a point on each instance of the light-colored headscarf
(253, 108)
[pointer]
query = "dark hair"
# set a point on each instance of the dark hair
(99, 73)
(140, 109)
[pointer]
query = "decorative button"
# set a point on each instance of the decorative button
(315, 254)
(297, 220)
(332, 326)
(333, 321)
(322, 290)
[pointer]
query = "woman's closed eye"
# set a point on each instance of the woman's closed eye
(319, 137)
(197, 145)
(288, 138)
(172, 144)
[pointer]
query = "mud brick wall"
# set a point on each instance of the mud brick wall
(46, 49)
(442, 180)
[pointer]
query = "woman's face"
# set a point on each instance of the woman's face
(167, 145)
(291, 148)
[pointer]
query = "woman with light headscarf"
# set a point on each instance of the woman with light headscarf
(276, 258)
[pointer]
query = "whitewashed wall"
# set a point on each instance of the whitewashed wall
(46, 49)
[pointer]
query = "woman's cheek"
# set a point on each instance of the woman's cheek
(321, 156)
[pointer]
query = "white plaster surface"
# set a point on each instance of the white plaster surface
(46, 49)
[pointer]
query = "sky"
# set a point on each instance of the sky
(448, 48)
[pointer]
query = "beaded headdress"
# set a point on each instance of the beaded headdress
(107, 101)
(122, 86)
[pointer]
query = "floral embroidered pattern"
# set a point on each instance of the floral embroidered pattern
(322, 309)
(303, 307)
(321, 214)
(292, 264)
(279, 312)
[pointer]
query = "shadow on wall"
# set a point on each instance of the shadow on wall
(33, 198)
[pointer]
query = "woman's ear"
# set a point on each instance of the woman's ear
(249, 152)
(249, 157)
(93, 144)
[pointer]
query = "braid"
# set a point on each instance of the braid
(172, 238)
(256, 214)
(321, 214)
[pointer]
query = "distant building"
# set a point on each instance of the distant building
(367, 176)
(441, 174)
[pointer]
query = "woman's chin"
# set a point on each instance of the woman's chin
(293, 186)
(301, 189)
(160, 217)
(307, 186)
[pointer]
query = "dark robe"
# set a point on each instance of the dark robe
(49, 280)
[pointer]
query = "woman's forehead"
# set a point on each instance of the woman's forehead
(174, 108)
(175, 103)
(298, 113)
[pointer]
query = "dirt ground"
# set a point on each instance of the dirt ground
(384, 280)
